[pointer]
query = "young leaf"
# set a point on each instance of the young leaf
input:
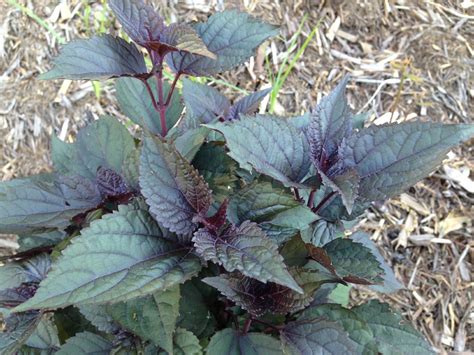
(203, 103)
(247, 249)
(118, 258)
(86, 343)
(393, 334)
(99, 57)
(349, 260)
(392, 157)
(232, 342)
(44, 202)
(316, 336)
(186, 343)
(270, 145)
(135, 102)
(178, 37)
(259, 298)
(231, 35)
(330, 123)
(390, 283)
(104, 143)
(273, 207)
(356, 328)
(173, 189)
(247, 105)
(139, 21)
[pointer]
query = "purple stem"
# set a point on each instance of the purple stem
(173, 85)
(161, 102)
(324, 201)
(311, 198)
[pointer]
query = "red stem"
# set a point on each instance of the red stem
(324, 201)
(296, 194)
(161, 102)
(173, 85)
(152, 96)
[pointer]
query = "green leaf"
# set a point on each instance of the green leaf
(173, 189)
(322, 232)
(393, 334)
(194, 309)
(186, 343)
(359, 119)
(247, 105)
(99, 57)
(18, 328)
(15, 273)
(270, 145)
(86, 343)
(390, 283)
(316, 336)
(118, 258)
(218, 169)
(45, 337)
(351, 261)
(152, 317)
(99, 317)
(69, 321)
(356, 328)
(104, 143)
(43, 202)
(184, 38)
(247, 249)
(258, 298)
(390, 158)
(135, 102)
(32, 240)
(273, 207)
(232, 342)
(189, 143)
(232, 35)
(203, 103)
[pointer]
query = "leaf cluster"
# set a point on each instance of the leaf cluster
(214, 229)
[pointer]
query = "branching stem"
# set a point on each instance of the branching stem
(173, 85)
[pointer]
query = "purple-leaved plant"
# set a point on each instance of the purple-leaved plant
(214, 229)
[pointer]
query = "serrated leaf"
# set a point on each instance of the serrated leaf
(268, 144)
(130, 259)
(135, 102)
(189, 143)
(18, 328)
(173, 189)
(356, 328)
(390, 283)
(351, 261)
(186, 343)
(31, 241)
(393, 334)
(390, 158)
(86, 343)
(218, 169)
(247, 105)
(45, 337)
(99, 317)
(358, 120)
(231, 35)
(203, 103)
(152, 317)
(43, 202)
(330, 123)
(322, 232)
(139, 21)
(259, 298)
(232, 342)
(316, 336)
(185, 38)
(273, 207)
(247, 249)
(104, 143)
(99, 57)
(71, 321)
(32, 270)
(195, 308)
